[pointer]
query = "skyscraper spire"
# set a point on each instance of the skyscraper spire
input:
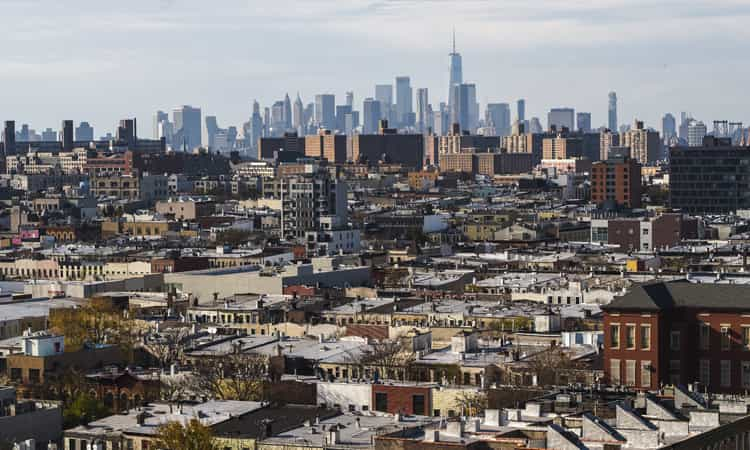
(456, 72)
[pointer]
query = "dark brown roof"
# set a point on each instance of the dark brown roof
(282, 418)
(659, 296)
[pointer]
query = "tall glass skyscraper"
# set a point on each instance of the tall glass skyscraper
(612, 117)
(188, 127)
(371, 112)
(325, 111)
(423, 102)
(456, 72)
(403, 101)
(498, 116)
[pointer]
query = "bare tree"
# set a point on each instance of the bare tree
(237, 376)
(548, 365)
(176, 388)
(387, 357)
(166, 347)
(471, 403)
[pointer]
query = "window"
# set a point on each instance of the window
(674, 340)
(630, 372)
(726, 338)
(417, 404)
(381, 401)
(704, 371)
(614, 371)
(674, 371)
(746, 374)
(746, 337)
(645, 374)
(614, 335)
(436, 413)
(704, 336)
(726, 373)
(630, 337)
(35, 376)
(645, 337)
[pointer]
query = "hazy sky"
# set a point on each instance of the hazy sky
(101, 60)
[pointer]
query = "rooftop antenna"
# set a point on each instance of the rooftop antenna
(454, 40)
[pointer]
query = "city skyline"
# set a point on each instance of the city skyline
(143, 77)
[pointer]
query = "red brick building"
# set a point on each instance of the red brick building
(679, 333)
(404, 399)
(616, 182)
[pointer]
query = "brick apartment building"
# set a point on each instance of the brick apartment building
(616, 182)
(679, 333)
(645, 233)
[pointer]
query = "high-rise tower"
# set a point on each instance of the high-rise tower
(456, 71)
(612, 118)
(521, 109)
(287, 116)
(403, 101)
(298, 113)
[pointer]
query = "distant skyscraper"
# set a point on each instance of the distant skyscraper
(266, 121)
(685, 119)
(471, 92)
(254, 131)
(287, 119)
(498, 117)
(127, 132)
(456, 72)
(9, 137)
(163, 128)
(342, 111)
(612, 112)
(372, 115)
(423, 103)
(24, 134)
(521, 109)
(188, 127)
(458, 113)
(350, 99)
(298, 112)
(465, 110)
(535, 125)
(696, 132)
(441, 120)
(561, 118)
(307, 116)
(159, 117)
(668, 128)
(49, 135)
(384, 94)
(325, 111)
(277, 119)
(404, 107)
(66, 135)
(583, 122)
(212, 128)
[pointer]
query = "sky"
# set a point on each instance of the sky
(100, 60)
